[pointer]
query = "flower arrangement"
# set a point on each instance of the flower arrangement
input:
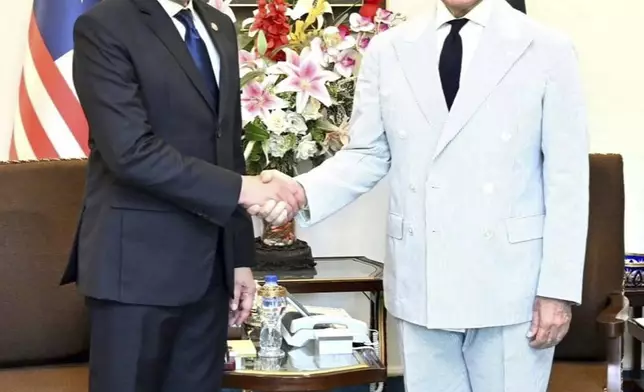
(298, 67)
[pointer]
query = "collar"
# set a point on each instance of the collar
(172, 8)
(479, 14)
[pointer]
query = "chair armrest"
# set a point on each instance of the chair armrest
(613, 318)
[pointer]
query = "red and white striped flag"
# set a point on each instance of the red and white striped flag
(49, 123)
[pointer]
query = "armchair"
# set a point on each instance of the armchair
(589, 358)
(43, 327)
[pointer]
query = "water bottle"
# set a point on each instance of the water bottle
(273, 305)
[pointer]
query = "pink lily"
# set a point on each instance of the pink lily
(249, 61)
(257, 101)
(306, 78)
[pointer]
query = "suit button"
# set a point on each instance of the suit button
(412, 188)
(488, 234)
(218, 134)
(410, 231)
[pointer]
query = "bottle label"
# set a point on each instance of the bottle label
(272, 302)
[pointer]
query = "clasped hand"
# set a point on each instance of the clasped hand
(273, 196)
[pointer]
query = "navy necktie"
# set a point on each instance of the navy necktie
(451, 60)
(199, 53)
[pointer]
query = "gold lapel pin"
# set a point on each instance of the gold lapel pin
(214, 27)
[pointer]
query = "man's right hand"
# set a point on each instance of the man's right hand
(271, 196)
(275, 212)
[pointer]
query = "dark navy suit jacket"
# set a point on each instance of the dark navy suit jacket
(161, 213)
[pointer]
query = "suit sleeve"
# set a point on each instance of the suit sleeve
(109, 92)
(565, 174)
(363, 162)
(241, 223)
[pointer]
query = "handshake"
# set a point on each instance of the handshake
(273, 196)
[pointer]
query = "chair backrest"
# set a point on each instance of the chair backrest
(604, 270)
(39, 208)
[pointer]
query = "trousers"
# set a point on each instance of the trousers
(139, 348)
(496, 359)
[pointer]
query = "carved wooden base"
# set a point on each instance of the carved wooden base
(295, 257)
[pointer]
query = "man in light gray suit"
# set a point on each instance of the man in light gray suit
(477, 115)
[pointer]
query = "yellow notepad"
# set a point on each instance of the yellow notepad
(242, 348)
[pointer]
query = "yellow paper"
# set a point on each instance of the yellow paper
(242, 348)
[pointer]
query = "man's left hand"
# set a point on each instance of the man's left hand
(550, 322)
(244, 296)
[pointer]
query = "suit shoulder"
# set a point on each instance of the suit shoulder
(550, 37)
(218, 15)
(107, 10)
(115, 17)
(209, 8)
(384, 40)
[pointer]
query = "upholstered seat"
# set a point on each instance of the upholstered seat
(41, 323)
(593, 343)
(61, 378)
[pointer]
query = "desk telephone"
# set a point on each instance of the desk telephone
(301, 326)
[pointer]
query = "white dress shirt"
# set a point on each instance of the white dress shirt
(470, 34)
(172, 9)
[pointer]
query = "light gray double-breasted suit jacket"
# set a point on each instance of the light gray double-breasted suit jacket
(489, 201)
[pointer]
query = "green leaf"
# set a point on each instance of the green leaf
(252, 75)
(341, 19)
(348, 11)
(249, 45)
(253, 132)
(325, 125)
(262, 45)
(244, 40)
(318, 135)
(257, 154)
(291, 140)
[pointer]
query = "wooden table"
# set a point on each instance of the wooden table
(331, 275)
(636, 298)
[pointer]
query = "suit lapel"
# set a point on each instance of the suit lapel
(418, 58)
(163, 27)
(216, 24)
(502, 44)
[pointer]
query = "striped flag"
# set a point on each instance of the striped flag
(49, 122)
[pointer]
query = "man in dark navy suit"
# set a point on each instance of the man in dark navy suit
(164, 241)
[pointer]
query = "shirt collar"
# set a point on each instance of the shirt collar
(479, 14)
(172, 8)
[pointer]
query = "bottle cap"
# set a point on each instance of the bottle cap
(270, 279)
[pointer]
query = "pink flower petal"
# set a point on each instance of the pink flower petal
(308, 70)
(292, 57)
(290, 84)
(318, 91)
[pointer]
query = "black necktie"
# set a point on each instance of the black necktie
(451, 58)
(199, 53)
